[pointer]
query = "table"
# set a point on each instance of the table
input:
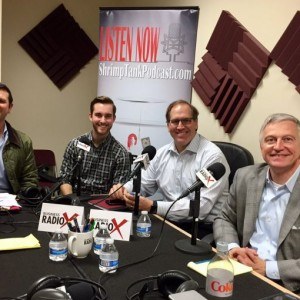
(166, 258)
(19, 269)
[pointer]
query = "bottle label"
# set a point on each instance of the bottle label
(143, 229)
(219, 282)
(58, 251)
(98, 246)
(109, 263)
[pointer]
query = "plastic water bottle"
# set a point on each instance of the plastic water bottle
(109, 257)
(58, 246)
(219, 280)
(143, 226)
(100, 238)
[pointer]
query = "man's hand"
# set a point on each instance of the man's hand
(144, 203)
(117, 191)
(249, 257)
(66, 189)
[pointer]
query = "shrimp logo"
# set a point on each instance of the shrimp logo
(131, 140)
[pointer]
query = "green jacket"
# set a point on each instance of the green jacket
(18, 160)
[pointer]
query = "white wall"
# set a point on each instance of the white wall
(52, 116)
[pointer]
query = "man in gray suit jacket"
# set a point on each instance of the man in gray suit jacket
(261, 218)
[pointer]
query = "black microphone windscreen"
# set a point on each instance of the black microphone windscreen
(217, 170)
(85, 140)
(81, 291)
(150, 150)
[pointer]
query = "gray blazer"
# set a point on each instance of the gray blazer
(236, 221)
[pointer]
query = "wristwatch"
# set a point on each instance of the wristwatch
(153, 208)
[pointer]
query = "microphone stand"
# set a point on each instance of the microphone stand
(194, 246)
(78, 176)
(137, 189)
(195, 210)
(57, 185)
(51, 191)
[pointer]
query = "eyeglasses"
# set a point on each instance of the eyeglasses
(184, 122)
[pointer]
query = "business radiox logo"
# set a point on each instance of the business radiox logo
(113, 225)
(57, 218)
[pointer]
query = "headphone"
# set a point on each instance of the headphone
(76, 289)
(167, 283)
(33, 194)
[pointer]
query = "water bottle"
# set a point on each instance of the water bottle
(219, 280)
(109, 257)
(143, 226)
(100, 238)
(58, 246)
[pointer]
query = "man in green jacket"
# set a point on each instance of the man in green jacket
(17, 165)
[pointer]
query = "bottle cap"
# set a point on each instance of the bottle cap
(222, 246)
(144, 212)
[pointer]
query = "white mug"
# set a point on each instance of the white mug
(80, 243)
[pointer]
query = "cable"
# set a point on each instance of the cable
(11, 223)
(144, 289)
(148, 257)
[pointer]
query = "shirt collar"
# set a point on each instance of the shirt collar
(5, 131)
(104, 142)
(291, 181)
(193, 146)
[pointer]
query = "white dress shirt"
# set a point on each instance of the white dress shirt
(171, 173)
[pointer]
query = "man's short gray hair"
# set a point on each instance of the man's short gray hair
(275, 118)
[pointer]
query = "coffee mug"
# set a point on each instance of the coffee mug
(80, 243)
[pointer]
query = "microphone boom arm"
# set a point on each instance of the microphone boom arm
(195, 210)
(137, 189)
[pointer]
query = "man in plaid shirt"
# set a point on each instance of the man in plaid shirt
(107, 161)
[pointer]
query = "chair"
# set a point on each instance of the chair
(46, 165)
(132, 157)
(236, 155)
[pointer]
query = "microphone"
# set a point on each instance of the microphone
(82, 291)
(205, 177)
(84, 145)
(143, 160)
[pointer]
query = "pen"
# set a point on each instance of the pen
(86, 227)
(92, 222)
(70, 226)
(77, 228)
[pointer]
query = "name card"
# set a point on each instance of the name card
(118, 223)
(57, 216)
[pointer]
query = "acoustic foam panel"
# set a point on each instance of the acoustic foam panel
(59, 46)
(230, 71)
(286, 52)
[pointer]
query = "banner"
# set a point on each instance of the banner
(146, 61)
